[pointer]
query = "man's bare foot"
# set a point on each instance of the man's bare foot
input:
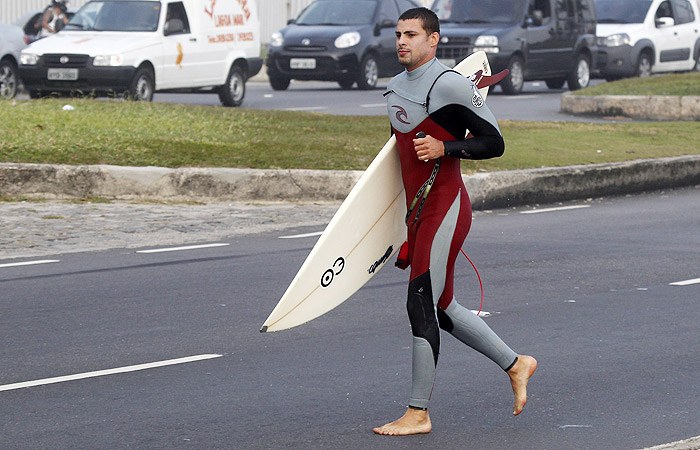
(414, 421)
(519, 375)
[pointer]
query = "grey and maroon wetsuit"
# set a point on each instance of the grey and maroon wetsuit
(443, 104)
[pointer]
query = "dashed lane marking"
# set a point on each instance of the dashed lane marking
(686, 282)
(559, 208)
(305, 235)
(30, 263)
(187, 247)
(100, 373)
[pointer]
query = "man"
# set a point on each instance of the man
(54, 18)
(431, 99)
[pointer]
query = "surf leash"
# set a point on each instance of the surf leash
(481, 285)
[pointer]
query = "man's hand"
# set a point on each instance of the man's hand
(428, 148)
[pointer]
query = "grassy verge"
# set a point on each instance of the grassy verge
(152, 134)
(670, 84)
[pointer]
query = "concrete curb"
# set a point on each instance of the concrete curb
(639, 107)
(486, 190)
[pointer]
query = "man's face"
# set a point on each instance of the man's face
(413, 44)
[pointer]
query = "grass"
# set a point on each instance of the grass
(670, 84)
(166, 135)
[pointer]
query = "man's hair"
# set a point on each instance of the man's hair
(429, 20)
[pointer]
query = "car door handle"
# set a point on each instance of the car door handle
(193, 39)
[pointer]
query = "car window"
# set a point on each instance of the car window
(565, 9)
(543, 7)
(479, 11)
(621, 11)
(664, 10)
(117, 16)
(684, 11)
(176, 12)
(337, 12)
(387, 10)
(405, 5)
(585, 10)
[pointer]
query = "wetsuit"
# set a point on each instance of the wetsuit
(443, 104)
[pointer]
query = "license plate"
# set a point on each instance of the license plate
(62, 74)
(302, 63)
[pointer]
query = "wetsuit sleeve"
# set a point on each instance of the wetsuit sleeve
(462, 108)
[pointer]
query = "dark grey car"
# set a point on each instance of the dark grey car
(346, 41)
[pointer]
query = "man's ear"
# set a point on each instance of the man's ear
(434, 39)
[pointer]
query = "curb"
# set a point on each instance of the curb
(639, 107)
(486, 190)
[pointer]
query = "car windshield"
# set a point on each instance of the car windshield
(479, 11)
(338, 12)
(622, 11)
(116, 16)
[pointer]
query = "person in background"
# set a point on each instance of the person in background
(54, 18)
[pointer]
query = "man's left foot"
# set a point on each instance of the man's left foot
(413, 422)
(519, 375)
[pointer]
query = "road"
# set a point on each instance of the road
(587, 289)
(537, 102)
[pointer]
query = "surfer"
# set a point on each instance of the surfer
(430, 108)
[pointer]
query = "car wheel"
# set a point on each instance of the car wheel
(233, 92)
(369, 73)
(644, 65)
(346, 83)
(8, 79)
(697, 64)
(555, 83)
(580, 76)
(513, 83)
(142, 86)
(279, 83)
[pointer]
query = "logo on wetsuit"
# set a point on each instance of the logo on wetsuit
(477, 99)
(401, 114)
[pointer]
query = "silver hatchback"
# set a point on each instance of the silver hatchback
(11, 44)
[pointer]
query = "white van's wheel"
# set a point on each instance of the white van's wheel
(580, 76)
(644, 65)
(143, 86)
(233, 92)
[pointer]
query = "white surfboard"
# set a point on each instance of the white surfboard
(360, 239)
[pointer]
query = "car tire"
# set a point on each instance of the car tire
(279, 83)
(580, 75)
(369, 73)
(643, 65)
(513, 83)
(8, 79)
(233, 92)
(346, 83)
(555, 83)
(143, 86)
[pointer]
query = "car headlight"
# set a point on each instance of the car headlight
(614, 40)
(29, 59)
(276, 40)
(486, 43)
(107, 60)
(346, 40)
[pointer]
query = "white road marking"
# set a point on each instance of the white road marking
(559, 208)
(575, 426)
(100, 373)
(30, 263)
(686, 282)
(305, 235)
(482, 313)
(187, 247)
(373, 105)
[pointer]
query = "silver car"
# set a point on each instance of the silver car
(11, 44)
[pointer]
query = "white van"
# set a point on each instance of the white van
(138, 47)
(638, 38)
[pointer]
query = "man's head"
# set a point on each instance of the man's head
(417, 36)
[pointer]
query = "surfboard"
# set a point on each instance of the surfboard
(364, 233)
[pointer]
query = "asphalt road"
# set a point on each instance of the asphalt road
(587, 290)
(537, 102)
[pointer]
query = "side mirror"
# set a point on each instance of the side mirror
(173, 26)
(386, 23)
(291, 21)
(665, 22)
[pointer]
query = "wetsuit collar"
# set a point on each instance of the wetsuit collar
(420, 70)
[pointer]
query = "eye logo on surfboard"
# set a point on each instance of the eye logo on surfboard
(328, 275)
(401, 114)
